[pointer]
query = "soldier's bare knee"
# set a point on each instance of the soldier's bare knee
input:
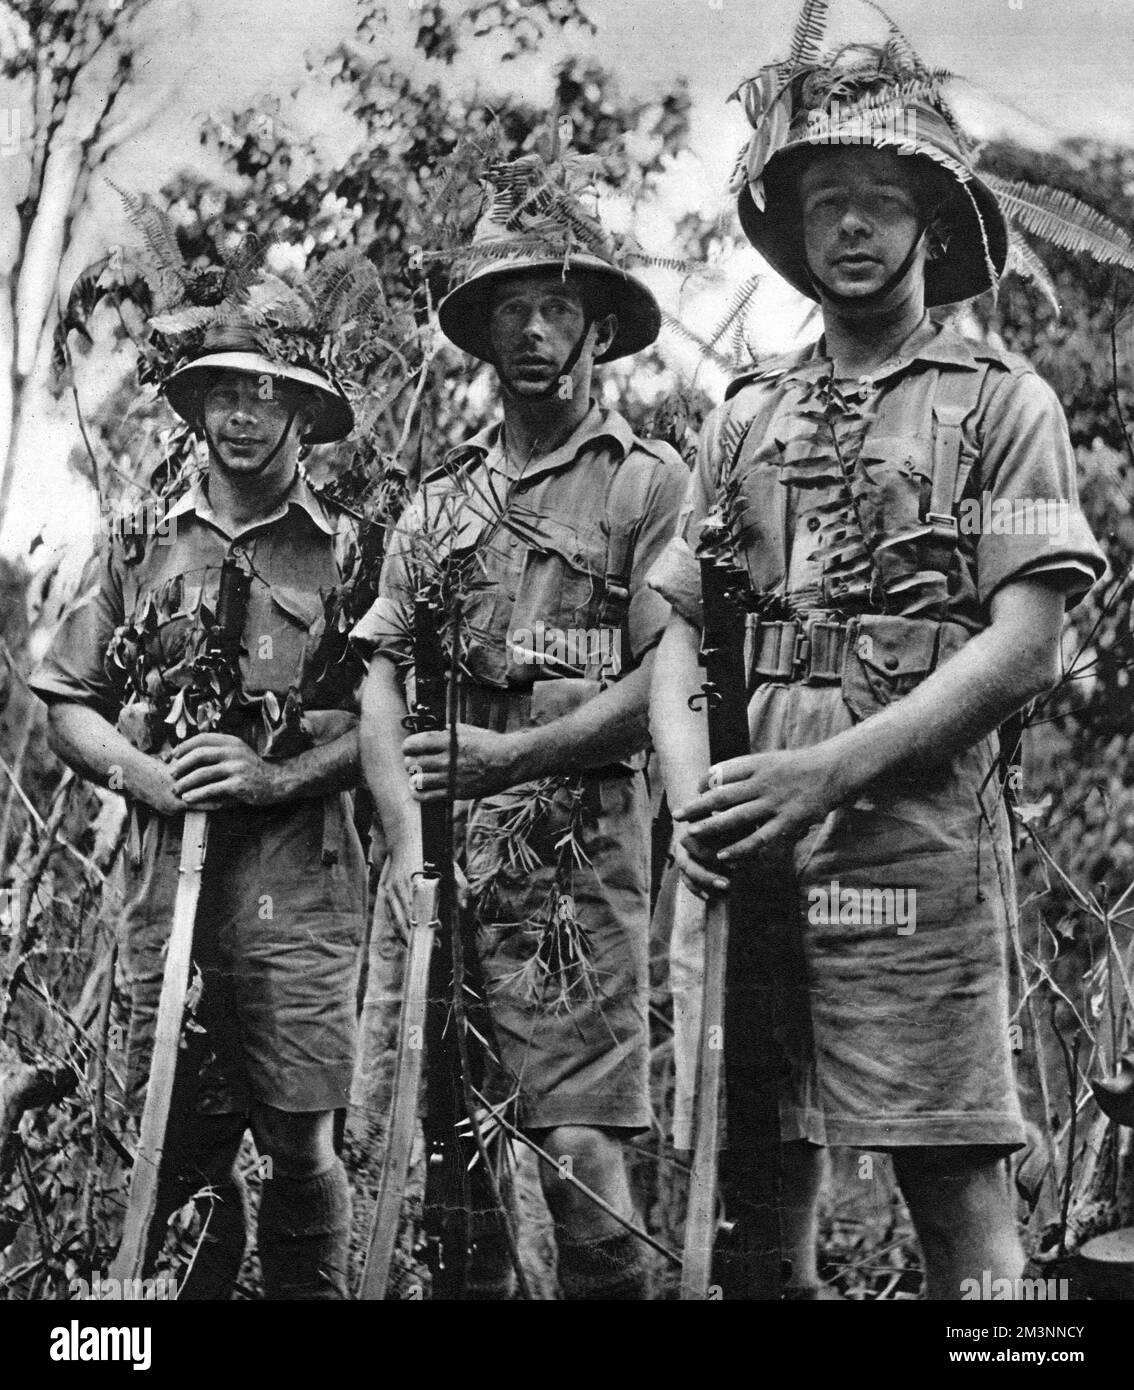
(582, 1152)
(299, 1144)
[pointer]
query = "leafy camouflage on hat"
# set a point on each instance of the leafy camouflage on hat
(884, 96)
(537, 215)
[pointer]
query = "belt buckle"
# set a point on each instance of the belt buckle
(942, 524)
(801, 653)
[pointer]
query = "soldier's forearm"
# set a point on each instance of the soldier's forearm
(610, 727)
(381, 735)
(94, 748)
(993, 675)
(330, 767)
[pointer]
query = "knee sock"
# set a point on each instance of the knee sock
(610, 1268)
(491, 1276)
(304, 1236)
(201, 1153)
(216, 1265)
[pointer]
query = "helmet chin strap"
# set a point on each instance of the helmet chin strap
(253, 472)
(873, 297)
(546, 392)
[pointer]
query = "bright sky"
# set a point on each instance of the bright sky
(1040, 69)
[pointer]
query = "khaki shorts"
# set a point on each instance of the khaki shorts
(891, 1031)
(275, 953)
(587, 1065)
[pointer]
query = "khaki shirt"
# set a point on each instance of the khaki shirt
(541, 537)
(1018, 513)
(140, 597)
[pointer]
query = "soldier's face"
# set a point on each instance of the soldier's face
(860, 217)
(245, 416)
(534, 325)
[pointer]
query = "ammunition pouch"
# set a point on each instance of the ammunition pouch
(808, 649)
(887, 657)
(875, 658)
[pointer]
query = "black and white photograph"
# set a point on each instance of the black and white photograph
(566, 649)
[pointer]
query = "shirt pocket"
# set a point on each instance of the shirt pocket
(556, 603)
(276, 635)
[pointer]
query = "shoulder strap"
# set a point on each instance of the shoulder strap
(624, 512)
(955, 397)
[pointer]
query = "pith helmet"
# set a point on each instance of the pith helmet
(239, 348)
(535, 224)
(880, 96)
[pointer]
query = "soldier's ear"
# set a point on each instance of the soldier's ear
(605, 329)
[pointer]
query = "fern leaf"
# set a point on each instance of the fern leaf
(183, 320)
(901, 47)
(737, 310)
(275, 298)
(695, 340)
(1024, 261)
(1057, 216)
(156, 229)
(810, 28)
(242, 265)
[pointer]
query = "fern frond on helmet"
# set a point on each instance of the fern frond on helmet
(885, 97)
(536, 216)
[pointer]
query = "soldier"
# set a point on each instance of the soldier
(892, 631)
(561, 630)
(281, 913)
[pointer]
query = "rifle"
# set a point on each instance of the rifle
(736, 1019)
(426, 1018)
(221, 654)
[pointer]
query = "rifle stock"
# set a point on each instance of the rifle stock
(407, 1090)
(426, 1007)
(129, 1261)
(736, 1005)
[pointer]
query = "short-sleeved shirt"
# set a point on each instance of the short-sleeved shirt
(280, 921)
(541, 536)
(766, 456)
(541, 539)
(147, 586)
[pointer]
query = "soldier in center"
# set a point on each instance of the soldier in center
(566, 509)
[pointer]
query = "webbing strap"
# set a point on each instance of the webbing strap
(955, 397)
(625, 512)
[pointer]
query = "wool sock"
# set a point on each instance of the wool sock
(216, 1265)
(304, 1236)
(491, 1277)
(609, 1268)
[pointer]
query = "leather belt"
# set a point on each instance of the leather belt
(810, 650)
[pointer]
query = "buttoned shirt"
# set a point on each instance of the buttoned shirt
(147, 586)
(540, 533)
(768, 458)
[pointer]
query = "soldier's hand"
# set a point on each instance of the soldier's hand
(211, 771)
(702, 879)
(485, 762)
(153, 784)
(395, 885)
(757, 805)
